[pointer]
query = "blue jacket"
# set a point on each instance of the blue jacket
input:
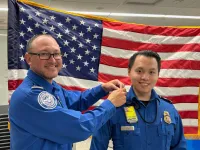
(45, 116)
(157, 135)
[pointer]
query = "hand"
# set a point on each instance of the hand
(118, 97)
(112, 85)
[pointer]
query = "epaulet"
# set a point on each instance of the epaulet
(165, 99)
(37, 87)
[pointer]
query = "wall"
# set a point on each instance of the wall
(3, 68)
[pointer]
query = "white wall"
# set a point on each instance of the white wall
(3, 68)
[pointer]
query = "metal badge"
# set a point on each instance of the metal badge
(167, 117)
(131, 115)
(166, 113)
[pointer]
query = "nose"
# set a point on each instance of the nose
(51, 58)
(145, 76)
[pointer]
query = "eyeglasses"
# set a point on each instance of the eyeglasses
(46, 56)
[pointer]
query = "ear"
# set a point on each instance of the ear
(28, 58)
(129, 71)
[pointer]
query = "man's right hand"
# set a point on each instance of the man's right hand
(118, 97)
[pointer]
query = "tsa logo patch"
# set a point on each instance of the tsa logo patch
(46, 100)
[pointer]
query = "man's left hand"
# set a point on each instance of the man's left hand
(112, 85)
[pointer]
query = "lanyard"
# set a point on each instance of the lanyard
(137, 107)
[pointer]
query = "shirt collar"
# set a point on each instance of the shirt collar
(38, 80)
(132, 96)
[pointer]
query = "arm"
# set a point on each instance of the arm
(101, 138)
(58, 125)
(82, 100)
(178, 140)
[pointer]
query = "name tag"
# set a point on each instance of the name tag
(127, 128)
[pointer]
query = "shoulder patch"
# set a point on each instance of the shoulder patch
(165, 99)
(37, 87)
(47, 100)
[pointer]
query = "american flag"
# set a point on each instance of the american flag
(97, 50)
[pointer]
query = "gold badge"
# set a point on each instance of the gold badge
(167, 118)
(131, 115)
(166, 113)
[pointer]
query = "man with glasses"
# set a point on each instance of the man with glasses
(43, 115)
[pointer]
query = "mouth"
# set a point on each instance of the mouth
(51, 66)
(143, 84)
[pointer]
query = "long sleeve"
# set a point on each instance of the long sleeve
(82, 100)
(59, 125)
(178, 141)
(100, 139)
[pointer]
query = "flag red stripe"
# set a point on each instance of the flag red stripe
(13, 84)
(190, 130)
(183, 99)
(189, 114)
(154, 30)
(181, 64)
(166, 64)
(136, 46)
(162, 82)
(178, 82)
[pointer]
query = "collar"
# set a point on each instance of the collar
(38, 80)
(131, 96)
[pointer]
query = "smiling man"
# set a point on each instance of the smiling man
(45, 116)
(147, 121)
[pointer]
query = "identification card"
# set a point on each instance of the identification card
(131, 115)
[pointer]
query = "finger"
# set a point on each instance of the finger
(114, 87)
(119, 84)
(124, 90)
(116, 82)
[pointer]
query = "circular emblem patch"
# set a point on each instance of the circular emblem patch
(46, 100)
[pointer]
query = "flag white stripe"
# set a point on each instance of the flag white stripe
(190, 122)
(164, 73)
(69, 81)
(126, 54)
(148, 38)
(17, 74)
(10, 92)
(176, 91)
(186, 106)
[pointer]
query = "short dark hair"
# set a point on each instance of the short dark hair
(29, 43)
(147, 53)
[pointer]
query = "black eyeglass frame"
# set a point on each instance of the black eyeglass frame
(59, 55)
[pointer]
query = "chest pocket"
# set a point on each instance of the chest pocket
(166, 132)
(131, 136)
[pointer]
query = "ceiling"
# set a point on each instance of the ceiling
(166, 7)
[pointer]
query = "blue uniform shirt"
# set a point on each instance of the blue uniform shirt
(45, 116)
(153, 132)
